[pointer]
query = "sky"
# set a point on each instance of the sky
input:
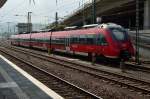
(43, 11)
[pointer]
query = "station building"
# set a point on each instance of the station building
(24, 27)
(122, 12)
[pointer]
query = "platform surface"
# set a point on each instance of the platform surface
(17, 84)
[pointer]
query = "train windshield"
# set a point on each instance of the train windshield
(119, 34)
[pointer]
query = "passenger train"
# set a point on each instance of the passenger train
(108, 40)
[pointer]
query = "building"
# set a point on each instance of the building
(122, 12)
(24, 27)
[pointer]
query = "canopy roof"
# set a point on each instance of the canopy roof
(2, 2)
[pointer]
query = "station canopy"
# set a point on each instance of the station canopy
(2, 2)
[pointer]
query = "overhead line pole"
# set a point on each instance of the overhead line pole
(8, 23)
(83, 16)
(29, 21)
(94, 11)
(137, 33)
(29, 25)
(56, 17)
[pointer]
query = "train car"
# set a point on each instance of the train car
(108, 40)
(14, 40)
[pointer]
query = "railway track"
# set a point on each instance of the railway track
(59, 85)
(122, 80)
(129, 65)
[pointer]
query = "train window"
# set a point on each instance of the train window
(39, 40)
(53, 41)
(82, 39)
(47, 40)
(71, 39)
(118, 34)
(58, 40)
(90, 39)
(61, 40)
(101, 40)
(74, 39)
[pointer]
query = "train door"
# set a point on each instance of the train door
(101, 44)
(99, 47)
(30, 40)
(50, 41)
(67, 43)
(18, 40)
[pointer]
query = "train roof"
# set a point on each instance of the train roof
(90, 26)
(95, 28)
(72, 27)
(109, 25)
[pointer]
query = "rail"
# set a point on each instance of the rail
(129, 82)
(76, 91)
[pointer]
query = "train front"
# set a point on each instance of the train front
(120, 42)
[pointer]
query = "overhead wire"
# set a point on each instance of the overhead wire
(65, 7)
(60, 6)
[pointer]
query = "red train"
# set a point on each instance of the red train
(109, 40)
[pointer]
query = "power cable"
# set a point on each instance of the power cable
(60, 6)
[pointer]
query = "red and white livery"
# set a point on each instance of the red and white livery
(109, 40)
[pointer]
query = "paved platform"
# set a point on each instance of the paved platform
(15, 83)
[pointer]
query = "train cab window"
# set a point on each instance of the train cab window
(101, 40)
(118, 34)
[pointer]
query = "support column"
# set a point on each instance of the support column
(147, 14)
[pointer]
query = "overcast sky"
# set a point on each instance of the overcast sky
(43, 10)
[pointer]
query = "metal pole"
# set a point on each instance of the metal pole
(8, 23)
(83, 16)
(56, 14)
(137, 32)
(56, 18)
(29, 29)
(29, 25)
(14, 29)
(29, 21)
(94, 11)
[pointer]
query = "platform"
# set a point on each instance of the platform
(15, 83)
